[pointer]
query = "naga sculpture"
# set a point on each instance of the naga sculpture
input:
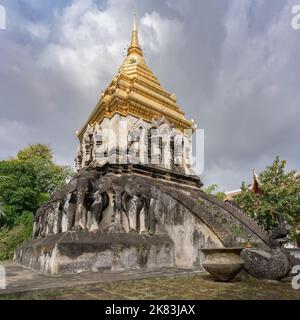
(274, 263)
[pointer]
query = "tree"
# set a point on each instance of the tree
(35, 152)
(19, 192)
(212, 189)
(280, 193)
(49, 175)
(26, 183)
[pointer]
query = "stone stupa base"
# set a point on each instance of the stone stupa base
(78, 252)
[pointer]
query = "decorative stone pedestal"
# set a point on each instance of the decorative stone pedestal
(77, 252)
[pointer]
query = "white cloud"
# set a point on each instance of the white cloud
(159, 32)
(233, 64)
(38, 30)
(255, 99)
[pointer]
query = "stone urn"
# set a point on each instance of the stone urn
(223, 263)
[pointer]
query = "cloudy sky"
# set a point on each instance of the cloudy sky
(234, 65)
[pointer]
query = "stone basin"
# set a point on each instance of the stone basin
(223, 263)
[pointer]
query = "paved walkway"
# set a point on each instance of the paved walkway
(22, 280)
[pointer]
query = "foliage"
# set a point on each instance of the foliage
(49, 175)
(212, 189)
(11, 238)
(26, 183)
(281, 193)
(36, 151)
(19, 192)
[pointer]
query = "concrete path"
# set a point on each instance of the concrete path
(22, 280)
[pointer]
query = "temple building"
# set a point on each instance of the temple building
(255, 188)
(135, 202)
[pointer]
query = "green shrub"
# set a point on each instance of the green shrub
(11, 238)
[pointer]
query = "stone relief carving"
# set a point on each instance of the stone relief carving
(135, 203)
(138, 143)
(82, 205)
(79, 158)
(99, 202)
(69, 211)
(88, 145)
(158, 143)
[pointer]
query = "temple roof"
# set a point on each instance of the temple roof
(136, 91)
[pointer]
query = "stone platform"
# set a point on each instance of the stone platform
(79, 251)
(118, 221)
(21, 280)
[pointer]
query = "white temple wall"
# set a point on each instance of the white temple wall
(125, 140)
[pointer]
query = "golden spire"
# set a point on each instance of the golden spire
(135, 46)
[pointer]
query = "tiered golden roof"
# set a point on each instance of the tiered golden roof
(136, 91)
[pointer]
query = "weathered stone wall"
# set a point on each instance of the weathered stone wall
(131, 219)
(187, 231)
(78, 251)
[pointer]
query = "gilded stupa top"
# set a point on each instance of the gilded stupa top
(137, 92)
(135, 47)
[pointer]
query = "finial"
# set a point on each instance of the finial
(254, 173)
(134, 22)
(135, 45)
